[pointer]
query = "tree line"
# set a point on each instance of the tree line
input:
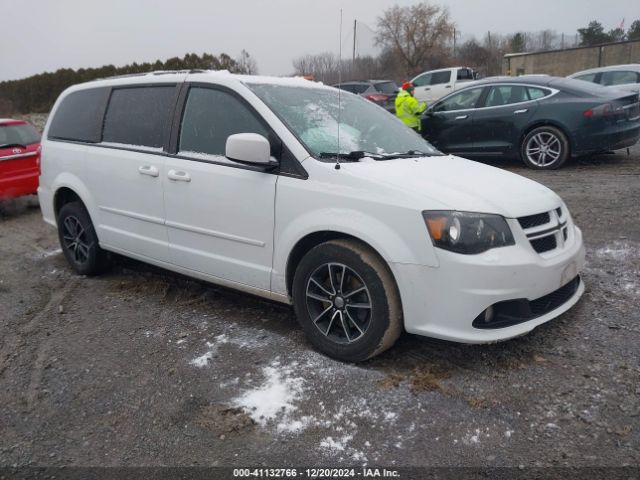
(36, 94)
(422, 37)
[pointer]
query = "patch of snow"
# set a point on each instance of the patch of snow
(337, 445)
(57, 251)
(275, 397)
(202, 360)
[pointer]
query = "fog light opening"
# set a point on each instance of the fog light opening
(488, 314)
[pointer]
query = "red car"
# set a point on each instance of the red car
(19, 158)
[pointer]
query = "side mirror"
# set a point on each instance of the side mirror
(249, 148)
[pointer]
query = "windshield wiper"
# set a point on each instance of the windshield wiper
(411, 154)
(358, 154)
(9, 145)
(354, 155)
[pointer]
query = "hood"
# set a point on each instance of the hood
(453, 183)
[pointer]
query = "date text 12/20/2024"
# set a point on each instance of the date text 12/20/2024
(363, 472)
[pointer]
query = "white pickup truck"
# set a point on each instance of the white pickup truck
(435, 84)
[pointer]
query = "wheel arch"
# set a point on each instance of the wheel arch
(546, 123)
(311, 240)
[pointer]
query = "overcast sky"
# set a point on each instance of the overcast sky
(44, 35)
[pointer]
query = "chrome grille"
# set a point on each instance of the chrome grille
(546, 231)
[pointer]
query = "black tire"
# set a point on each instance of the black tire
(358, 333)
(79, 241)
(544, 148)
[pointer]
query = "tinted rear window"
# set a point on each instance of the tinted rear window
(18, 134)
(580, 87)
(386, 87)
(79, 116)
(138, 116)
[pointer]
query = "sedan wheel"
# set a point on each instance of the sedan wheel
(545, 148)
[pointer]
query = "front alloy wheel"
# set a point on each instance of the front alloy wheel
(346, 300)
(339, 303)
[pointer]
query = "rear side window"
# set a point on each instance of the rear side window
(139, 116)
(358, 87)
(465, 74)
(18, 135)
(536, 93)
(386, 87)
(506, 95)
(79, 116)
(620, 78)
(210, 116)
(438, 78)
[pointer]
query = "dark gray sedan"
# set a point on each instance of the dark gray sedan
(541, 119)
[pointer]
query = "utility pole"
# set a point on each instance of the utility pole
(355, 27)
(454, 43)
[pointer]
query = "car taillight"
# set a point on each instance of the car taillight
(603, 110)
(374, 97)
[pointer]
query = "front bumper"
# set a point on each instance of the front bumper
(443, 302)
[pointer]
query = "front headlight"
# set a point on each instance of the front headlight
(468, 233)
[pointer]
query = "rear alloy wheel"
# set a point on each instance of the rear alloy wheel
(346, 301)
(79, 241)
(545, 148)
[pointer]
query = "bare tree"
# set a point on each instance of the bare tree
(415, 33)
(247, 64)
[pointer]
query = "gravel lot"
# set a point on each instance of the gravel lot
(144, 367)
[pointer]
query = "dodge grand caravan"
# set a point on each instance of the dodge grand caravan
(285, 189)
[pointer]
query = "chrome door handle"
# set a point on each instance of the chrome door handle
(178, 176)
(148, 170)
(462, 117)
(524, 110)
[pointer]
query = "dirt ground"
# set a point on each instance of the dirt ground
(144, 367)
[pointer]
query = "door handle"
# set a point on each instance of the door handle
(178, 176)
(448, 86)
(148, 170)
(462, 117)
(524, 110)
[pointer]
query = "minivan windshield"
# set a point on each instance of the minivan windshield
(313, 115)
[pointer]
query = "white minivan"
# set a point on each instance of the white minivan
(286, 189)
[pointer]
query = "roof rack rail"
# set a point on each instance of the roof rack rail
(154, 72)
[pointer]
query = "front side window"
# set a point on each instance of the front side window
(463, 100)
(210, 116)
(422, 80)
(589, 77)
(138, 116)
(620, 78)
(505, 95)
(326, 124)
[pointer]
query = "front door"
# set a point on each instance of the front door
(449, 124)
(219, 213)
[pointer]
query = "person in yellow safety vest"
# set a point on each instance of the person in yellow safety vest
(408, 109)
